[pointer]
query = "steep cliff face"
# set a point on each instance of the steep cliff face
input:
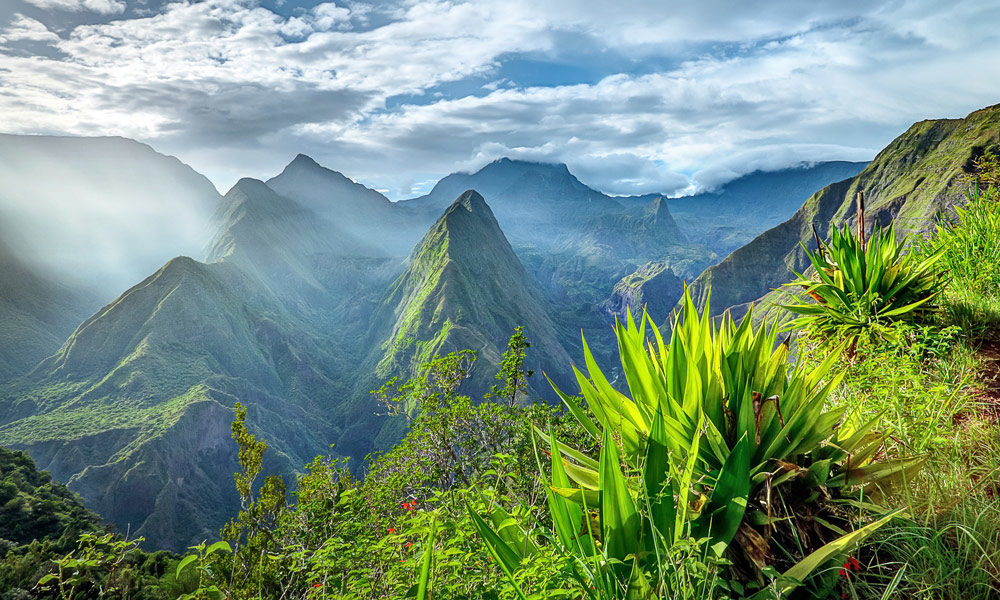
(912, 181)
(653, 286)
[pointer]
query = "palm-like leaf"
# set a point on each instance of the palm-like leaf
(708, 419)
(856, 285)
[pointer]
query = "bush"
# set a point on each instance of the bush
(858, 284)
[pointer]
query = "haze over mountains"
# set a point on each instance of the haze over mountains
(313, 290)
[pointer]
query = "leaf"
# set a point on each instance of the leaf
(423, 587)
(729, 498)
(184, 563)
(222, 545)
(506, 558)
(795, 576)
(619, 517)
(656, 472)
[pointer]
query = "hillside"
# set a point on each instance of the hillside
(138, 401)
(741, 209)
(463, 287)
(913, 180)
(100, 212)
(36, 314)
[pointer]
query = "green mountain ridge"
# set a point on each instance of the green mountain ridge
(463, 287)
(137, 403)
(913, 181)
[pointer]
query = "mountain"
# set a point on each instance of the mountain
(463, 287)
(575, 242)
(292, 318)
(536, 204)
(36, 313)
(749, 205)
(357, 211)
(137, 403)
(100, 212)
(653, 286)
(912, 181)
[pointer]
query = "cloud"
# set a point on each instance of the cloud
(22, 28)
(402, 92)
(104, 7)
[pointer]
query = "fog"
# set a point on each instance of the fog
(102, 213)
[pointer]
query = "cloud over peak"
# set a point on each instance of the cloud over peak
(636, 96)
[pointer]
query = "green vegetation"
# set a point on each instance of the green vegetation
(858, 283)
(53, 547)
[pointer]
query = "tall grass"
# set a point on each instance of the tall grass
(969, 245)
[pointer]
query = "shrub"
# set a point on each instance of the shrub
(720, 441)
(859, 283)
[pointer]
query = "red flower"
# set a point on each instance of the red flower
(408, 544)
(317, 584)
(845, 574)
(392, 530)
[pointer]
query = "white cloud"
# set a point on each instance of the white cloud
(22, 28)
(104, 7)
(827, 80)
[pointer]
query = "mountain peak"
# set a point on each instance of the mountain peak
(507, 164)
(470, 216)
(249, 185)
(472, 201)
(303, 160)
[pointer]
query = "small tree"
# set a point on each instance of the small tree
(253, 529)
(512, 372)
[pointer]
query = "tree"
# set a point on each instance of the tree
(512, 372)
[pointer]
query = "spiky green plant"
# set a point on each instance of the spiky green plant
(859, 282)
(715, 424)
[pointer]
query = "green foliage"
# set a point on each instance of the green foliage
(718, 440)
(33, 507)
(253, 530)
(969, 246)
(200, 563)
(858, 283)
(512, 372)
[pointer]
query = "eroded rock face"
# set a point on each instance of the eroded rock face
(653, 286)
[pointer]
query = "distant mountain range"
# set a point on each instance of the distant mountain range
(313, 290)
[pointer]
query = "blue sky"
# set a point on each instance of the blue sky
(635, 96)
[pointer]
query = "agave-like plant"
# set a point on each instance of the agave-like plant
(715, 423)
(859, 283)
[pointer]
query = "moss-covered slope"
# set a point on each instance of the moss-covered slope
(915, 178)
(463, 288)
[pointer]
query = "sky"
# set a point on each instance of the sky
(635, 96)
